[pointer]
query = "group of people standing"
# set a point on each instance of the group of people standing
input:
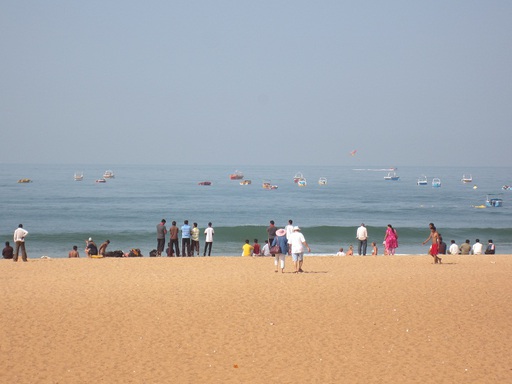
(189, 239)
(390, 241)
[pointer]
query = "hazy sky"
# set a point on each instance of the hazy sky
(256, 82)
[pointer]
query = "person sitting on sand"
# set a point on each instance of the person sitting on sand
(265, 251)
(74, 252)
(375, 250)
(8, 251)
(340, 252)
(103, 247)
(491, 249)
(350, 251)
(465, 248)
(454, 248)
(247, 249)
(256, 248)
(91, 249)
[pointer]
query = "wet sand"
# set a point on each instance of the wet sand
(382, 319)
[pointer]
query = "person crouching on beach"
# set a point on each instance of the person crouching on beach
(282, 242)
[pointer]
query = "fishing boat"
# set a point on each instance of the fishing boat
(436, 182)
(422, 180)
(392, 176)
(268, 185)
(322, 181)
(302, 182)
(101, 181)
(245, 182)
(297, 177)
(24, 181)
(467, 178)
(108, 174)
(237, 175)
(493, 201)
(205, 183)
(507, 188)
(79, 176)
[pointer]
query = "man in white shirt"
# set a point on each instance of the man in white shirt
(454, 248)
(19, 239)
(362, 237)
(208, 241)
(289, 232)
(477, 248)
(298, 243)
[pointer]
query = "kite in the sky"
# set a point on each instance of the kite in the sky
(353, 153)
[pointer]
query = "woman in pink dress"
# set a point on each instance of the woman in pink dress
(391, 240)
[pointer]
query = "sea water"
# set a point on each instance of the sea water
(59, 212)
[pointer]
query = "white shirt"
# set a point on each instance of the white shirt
(454, 249)
(362, 233)
(477, 249)
(296, 240)
(19, 234)
(265, 251)
(209, 232)
(340, 254)
(289, 231)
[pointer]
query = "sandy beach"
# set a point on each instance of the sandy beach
(367, 319)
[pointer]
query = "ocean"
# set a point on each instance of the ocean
(59, 212)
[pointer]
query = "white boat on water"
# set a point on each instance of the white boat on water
(436, 182)
(322, 181)
(79, 176)
(108, 174)
(297, 177)
(302, 182)
(467, 178)
(422, 180)
(392, 176)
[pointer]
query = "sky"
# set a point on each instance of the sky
(256, 82)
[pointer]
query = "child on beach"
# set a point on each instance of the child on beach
(256, 248)
(340, 252)
(350, 251)
(375, 250)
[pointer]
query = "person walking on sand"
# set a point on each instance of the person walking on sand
(298, 243)
(391, 240)
(160, 237)
(19, 240)
(282, 242)
(434, 248)
(289, 232)
(208, 241)
(362, 237)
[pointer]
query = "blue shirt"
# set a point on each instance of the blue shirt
(185, 231)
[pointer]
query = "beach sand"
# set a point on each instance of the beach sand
(382, 319)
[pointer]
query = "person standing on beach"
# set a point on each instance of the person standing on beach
(434, 248)
(298, 243)
(160, 237)
(19, 240)
(8, 251)
(74, 252)
(174, 244)
(391, 240)
(208, 241)
(362, 237)
(289, 232)
(271, 231)
(185, 238)
(104, 245)
(194, 235)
